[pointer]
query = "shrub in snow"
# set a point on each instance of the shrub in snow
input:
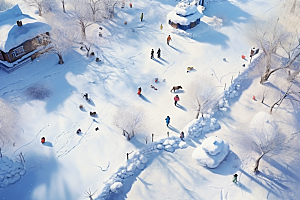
(38, 92)
(211, 152)
(143, 159)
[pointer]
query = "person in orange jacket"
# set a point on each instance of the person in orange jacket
(139, 91)
(176, 98)
(43, 140)
(168, 39)
(130, 5)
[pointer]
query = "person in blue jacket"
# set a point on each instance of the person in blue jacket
(168, 120)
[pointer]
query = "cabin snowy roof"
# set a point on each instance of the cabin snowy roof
(12, 35)
(185, 9)
(174, 17)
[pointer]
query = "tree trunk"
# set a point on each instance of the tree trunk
(198, 113)
(63, 4)
(83, 32)
(61, 61)
(255, 169)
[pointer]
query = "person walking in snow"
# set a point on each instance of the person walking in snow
(181, 135)
(139, 91)
(152, 54)
(43, 140)
(176, 98)
(161, 27)
(142, 16)
(168, 39)
(158, 53)
(168, 120)
(235, 178)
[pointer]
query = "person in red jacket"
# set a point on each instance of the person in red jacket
(139, 91)
(168, 39)
(43, 140)
(176, 98)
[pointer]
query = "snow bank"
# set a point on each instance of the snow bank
(137, 162)
(13, 35)
(211, 152)
(10, 172)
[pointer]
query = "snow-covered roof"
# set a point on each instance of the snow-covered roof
(185, 9)
(174, 17)
(12, 35)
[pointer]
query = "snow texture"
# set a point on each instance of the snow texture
(10, 172)
(217, 146)
(12, 35)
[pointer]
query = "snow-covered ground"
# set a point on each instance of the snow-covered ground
(68, 164)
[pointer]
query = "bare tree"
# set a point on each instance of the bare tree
(83, 17)
(41, 5)
(89, 194)
(202, 95)
(267, 139)
(95, 6)
(129, 120)
(60, 39)
(110, 6)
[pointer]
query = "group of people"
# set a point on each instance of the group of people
(158, 53)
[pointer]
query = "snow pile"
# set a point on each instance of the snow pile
(185, 16)
(13, 35)
(211, 152)
(138, 162)
(202, 125)
(10, 172)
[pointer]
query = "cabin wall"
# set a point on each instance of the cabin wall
(25, 48)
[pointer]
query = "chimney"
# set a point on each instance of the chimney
(19, 23)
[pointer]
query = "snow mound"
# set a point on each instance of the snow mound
(213, 144)
(169, 148)
(115, 186)
(183, 145)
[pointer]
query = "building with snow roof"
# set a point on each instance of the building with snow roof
(185, 15)
(21, 37)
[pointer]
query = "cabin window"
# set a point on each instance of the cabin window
(18, 51)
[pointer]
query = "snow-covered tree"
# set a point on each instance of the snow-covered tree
(41, 5)
(267, 138)
(4, 5)
(110, 6)
(129, 120)
(202, 95)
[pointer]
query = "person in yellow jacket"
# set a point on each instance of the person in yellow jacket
(161, 26)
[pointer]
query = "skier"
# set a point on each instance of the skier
(161, 26)
(235, 178)
(168, 39)
(139, 91)
(43, 140)
(142, 16)
(176, 98)
(152, 54)
(158, 53)
(182, 135)
(168, 120)
(78, 131)
(130, 5)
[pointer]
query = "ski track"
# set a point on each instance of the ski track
(31, 140)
